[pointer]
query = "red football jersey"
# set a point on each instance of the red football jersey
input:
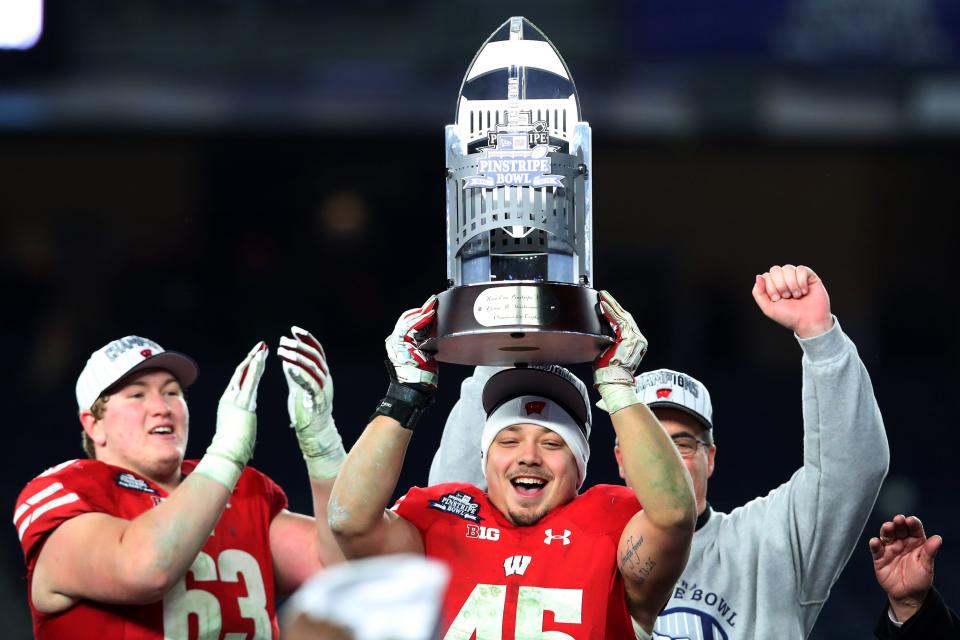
(228, 589)
(560, 575)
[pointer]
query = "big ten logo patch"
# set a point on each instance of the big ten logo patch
(483, 533)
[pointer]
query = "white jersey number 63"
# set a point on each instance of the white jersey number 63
(181, 602)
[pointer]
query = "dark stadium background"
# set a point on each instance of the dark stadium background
(207, 173)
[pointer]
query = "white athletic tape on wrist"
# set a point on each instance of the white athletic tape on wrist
(326, 466)
(322, 449)
(224, 471)
(617, 397)
(236, 433)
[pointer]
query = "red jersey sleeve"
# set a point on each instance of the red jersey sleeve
(56, 495)
(606, 507)
(420, 506)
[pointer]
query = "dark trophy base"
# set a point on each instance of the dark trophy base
(507, 323)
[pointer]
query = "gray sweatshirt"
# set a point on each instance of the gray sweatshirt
(458, 458)
(764, 570)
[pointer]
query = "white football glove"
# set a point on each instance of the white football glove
(413, 366)
(232, 445)
(614, 368)
(310, 403)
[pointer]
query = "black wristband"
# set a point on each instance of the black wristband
(405, 403)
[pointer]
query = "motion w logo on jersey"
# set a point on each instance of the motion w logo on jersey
(516, 565)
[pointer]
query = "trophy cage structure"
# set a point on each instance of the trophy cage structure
(511, 231)
(519, 212)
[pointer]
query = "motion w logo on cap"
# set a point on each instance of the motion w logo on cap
(671, 389)
(535, 406)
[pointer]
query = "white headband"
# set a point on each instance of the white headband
(545, 413)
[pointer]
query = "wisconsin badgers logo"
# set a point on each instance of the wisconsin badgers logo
(516, 565)
(535, 406)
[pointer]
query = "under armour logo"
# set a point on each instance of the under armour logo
(535, 406)
(664, 393)
(550, 537)
(516, 565)
(146, 353)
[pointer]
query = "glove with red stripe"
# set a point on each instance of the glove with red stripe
(232, 445)
(413, 373)
(410, 364)
(310, 403)
(614, 368)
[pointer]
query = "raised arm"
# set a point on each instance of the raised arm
(100, 557)
(358, 516)
(300, 544)
(458, 457)
(845, 458)
(655, 544)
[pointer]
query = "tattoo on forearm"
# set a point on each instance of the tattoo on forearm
(632, 562)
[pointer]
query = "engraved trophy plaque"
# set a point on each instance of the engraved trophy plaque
(519, 212)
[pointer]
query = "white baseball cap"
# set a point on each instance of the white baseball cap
(118, 359)
(395, 597)
(669, 388)
(548, 396)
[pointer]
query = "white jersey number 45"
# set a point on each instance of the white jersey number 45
(483, 613)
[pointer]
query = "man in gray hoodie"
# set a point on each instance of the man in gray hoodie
(765, 569)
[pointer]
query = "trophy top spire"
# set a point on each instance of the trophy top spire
(519, 212)
(516, 80)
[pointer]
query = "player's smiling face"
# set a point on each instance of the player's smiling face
(144, 426)
(530, 471)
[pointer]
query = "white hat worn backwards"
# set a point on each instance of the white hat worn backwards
(392, 597)
(675, 390)
(112, 363)
(548, 396)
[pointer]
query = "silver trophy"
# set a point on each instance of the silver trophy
(519, 212)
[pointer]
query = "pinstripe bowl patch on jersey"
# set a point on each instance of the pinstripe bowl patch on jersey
(458, 504)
